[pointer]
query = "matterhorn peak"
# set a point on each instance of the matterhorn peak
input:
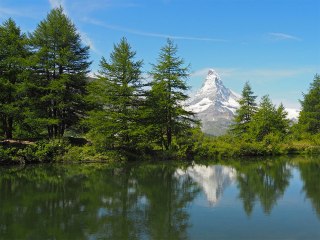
(212, 80)
(214, 103)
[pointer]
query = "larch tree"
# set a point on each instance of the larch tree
(60, 64)
(168, 118)
(13, 54)
(117, 95)
(268, 120)
(248, 107)
(309, 118)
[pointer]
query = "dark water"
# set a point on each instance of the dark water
(270, 199)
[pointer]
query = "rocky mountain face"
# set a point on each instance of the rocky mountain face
(214, 104)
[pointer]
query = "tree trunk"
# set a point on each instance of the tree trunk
(50, 131)
(4, 126)
(169, 137)
(9, 128)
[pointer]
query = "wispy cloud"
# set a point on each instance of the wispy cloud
(261, 74)
(93, 5)
(223, 72)
(88, 41)
(276, 36)
(8, 11)
(57, 3)
(149, 34)
(17, 12)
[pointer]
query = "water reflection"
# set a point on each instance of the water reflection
(73, 202)
(212, 179)
(310, 174)
(264, 182)
(147, 201)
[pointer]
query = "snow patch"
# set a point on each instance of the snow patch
(293, 114)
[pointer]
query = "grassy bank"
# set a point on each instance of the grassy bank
(197, 148)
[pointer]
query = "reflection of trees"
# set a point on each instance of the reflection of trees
(81, 202)
(167, 199)
(263, 181)
(310, 174)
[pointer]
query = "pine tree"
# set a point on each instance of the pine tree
(309, 118)
(168, 118)
(13, 54)
(116, 94)
(282, 122)
(268, 119)
(60, 64)
(244, 114)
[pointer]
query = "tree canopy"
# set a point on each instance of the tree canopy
(309, 118)
(117, 97)
(167, 95)
(13, 54)
(58, 83)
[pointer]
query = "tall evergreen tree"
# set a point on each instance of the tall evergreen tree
(13, 54)
(248, 107)
(168, 118)
(60, 63)
(268, 119)
(309, 117)
(282, 123)
(115, 121)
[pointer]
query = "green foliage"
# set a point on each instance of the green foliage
(90, 154)
(167, 117)
(13, 54)
(268, 119)
(115, 122)
(245, 113)
(309, 119)
(42, 151)
(57, 82)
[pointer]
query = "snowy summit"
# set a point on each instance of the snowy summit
(214, 104)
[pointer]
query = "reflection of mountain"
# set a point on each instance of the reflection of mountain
(212, 179)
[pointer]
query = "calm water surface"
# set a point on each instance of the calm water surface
(271, 199)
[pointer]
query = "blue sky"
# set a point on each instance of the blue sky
(274, 44)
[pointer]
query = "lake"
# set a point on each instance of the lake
(275, 198)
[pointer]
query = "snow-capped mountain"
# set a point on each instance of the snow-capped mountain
(214, 104)
(293, 114)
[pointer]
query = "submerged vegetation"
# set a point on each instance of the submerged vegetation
(47, 99)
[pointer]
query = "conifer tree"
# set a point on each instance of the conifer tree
(60, 64)
(244, 114)
(268, 119)
(309, 118)
(168, 117)
(13, 54)
(116, 94)
(282, 122)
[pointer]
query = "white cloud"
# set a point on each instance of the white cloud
(19, 12)
(8, 11)
(261, 73)
(149, 34)
(282, 36)
(88, 41)
(223, 72)
(57, 3)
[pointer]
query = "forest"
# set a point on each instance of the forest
(50, 110)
